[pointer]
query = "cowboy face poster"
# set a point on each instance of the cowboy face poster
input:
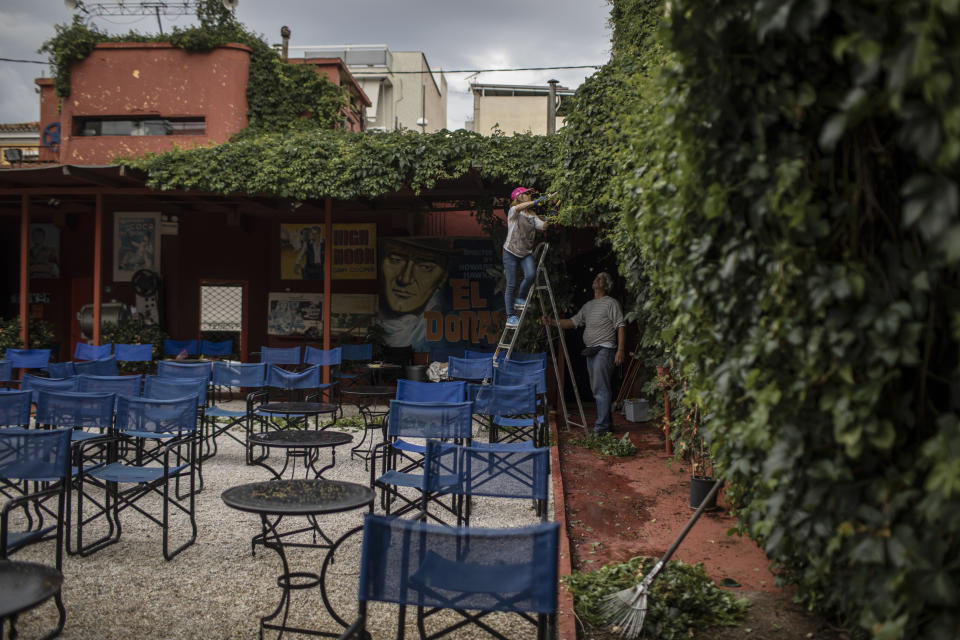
(437, 291)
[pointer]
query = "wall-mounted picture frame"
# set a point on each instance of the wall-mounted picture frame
(136, 243)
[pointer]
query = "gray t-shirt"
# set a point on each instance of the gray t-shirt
(521, 231)
(601, 317)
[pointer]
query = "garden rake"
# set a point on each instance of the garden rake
(625, 610)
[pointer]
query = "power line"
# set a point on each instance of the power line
(27, 61)
(380, 73)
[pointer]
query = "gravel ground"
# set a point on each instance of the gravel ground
(216, 589)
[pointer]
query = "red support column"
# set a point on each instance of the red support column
(24, 269)
(97, 267)
(327, 269)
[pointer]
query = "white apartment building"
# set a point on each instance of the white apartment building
(404, 91)
(512, 108)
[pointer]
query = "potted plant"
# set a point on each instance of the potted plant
(689, 445)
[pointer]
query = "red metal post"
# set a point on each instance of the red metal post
(97, 267)
(24, 268)
(327, 268)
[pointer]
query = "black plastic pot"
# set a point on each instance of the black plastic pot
(699, 488)
(417, 372)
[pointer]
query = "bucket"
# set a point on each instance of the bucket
(415, 372)
(636, 410)
(699, 488)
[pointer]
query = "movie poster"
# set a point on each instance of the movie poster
(44, 251)
(353, 313)
(354, 251)
(301, 251)
(439, 290)
(136, 244)
(295, 314)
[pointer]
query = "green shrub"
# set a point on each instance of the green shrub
(607, 444)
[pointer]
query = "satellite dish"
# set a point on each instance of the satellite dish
(227, 4)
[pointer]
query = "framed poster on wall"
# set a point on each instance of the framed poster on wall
(294, 314)
(136, 243)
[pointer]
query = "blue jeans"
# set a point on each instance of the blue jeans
(510, 263)
(600, 367)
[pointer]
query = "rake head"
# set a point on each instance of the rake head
(626, 610)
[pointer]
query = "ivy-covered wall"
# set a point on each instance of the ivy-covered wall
(780, 182)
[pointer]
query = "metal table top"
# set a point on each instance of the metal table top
(298, 497)
(298, 408)
(24, 585)
(377, 391)
(382, 365)
(296, 439)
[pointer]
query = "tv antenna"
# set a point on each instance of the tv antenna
(142, 8)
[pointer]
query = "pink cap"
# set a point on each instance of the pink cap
(516, 192)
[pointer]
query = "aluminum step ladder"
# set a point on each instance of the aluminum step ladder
(509, 336)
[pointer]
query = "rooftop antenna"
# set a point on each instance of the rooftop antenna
(142, 8)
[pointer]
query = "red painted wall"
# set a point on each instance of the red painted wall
(150, 79)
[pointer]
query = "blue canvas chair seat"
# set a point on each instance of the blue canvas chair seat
(84, 351)
(120, 472)
(534, 430)
(521, 367)
(15, 408)
(216, 348)
(470, 369)
(282, 384)
(492, 402)
(327, 358)
(353, 357)
(171, 426)
(89, 416)
(218, 420)
(121, 385)
(28, 358)
(61, 369)
(519, 356)
(6, 371)
(133, 352)
(35, 384)
(471, 571)
(173, 369)
(34, 479)
(280, 355)
(176, 347)
(163, 388)
(101, 367)
(473, 353)
(402, 466)
(415, 391)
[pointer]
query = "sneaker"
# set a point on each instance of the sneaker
(513, 321)
(519, 304)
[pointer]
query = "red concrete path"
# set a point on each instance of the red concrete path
(615, 508)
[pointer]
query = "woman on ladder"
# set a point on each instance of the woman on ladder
(518, 251)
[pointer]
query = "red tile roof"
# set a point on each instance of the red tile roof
(11, 127)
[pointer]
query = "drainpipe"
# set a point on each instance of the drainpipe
(552, 108)
(24, 269)
(285, 48)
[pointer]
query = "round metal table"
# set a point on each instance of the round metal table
(299, 444)
(373, 403)
(377, 369)
(25, 585)
(274, 499)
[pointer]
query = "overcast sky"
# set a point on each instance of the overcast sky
(453, 34)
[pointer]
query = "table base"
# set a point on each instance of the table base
(290, 581)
